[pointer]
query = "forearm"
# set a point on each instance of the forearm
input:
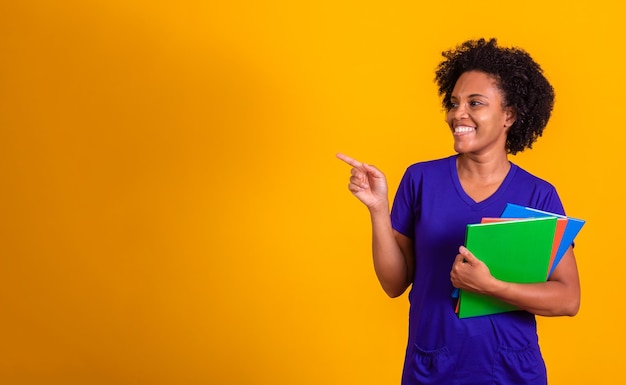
(390, 262)
(559, 296)
(392, 252)
(551, 298)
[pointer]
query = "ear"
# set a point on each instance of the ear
(510, 116)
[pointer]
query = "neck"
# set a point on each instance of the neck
(484, 167)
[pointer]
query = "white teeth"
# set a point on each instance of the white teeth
(461, 129)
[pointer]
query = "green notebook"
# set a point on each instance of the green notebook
(515, 251)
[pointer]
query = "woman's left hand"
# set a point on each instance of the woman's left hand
(470, 273)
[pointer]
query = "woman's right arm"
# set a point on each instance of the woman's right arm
(392, 251)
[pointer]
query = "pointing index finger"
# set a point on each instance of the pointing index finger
(350, 161)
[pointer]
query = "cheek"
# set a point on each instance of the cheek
(490, 120)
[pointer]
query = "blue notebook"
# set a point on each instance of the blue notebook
(571, 229)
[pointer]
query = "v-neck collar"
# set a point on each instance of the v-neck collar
(485, 202)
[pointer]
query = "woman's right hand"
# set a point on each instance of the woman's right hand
(367, 183)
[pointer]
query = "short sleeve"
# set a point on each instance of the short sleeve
(404, 207)
(552, 203)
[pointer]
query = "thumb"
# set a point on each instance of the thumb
(376, 173)
(469, 257)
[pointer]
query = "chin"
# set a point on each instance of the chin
(460, 149)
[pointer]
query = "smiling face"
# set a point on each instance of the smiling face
(477, 118)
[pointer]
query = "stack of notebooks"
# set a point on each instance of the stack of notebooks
(524, 245)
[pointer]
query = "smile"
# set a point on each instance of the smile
(463, 129)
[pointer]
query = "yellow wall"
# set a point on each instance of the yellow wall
(171, 211)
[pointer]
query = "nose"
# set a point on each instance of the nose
(459, 112)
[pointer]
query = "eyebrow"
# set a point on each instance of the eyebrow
(471, 96)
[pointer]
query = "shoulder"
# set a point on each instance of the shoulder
(526, 178)
(435, 165)
(537, 192)
(429, 170)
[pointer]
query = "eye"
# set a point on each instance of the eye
(452, 105)
(475, 103)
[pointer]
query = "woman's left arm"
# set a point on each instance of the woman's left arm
(559, 296)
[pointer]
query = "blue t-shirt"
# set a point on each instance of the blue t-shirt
(432, 208)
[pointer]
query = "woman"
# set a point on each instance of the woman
(498, 102)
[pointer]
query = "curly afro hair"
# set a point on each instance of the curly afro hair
(521, 80)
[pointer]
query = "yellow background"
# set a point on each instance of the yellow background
(171, 211)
